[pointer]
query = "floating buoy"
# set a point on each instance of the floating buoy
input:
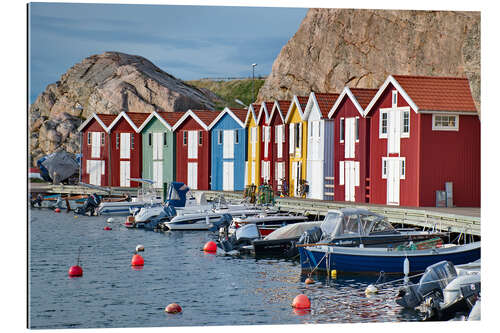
(301, 302)
(210, 247)
(75, 216)
(110, 220)
(75, 271)
(139, 248)
(137, 260)
(371, 289)
(309, 281)
(333, 273)
(57, 210)
(173, 308)
(107, 228)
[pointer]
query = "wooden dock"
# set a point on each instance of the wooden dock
(457, 219)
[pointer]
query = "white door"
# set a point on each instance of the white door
(158, 173)
(228, 144)
(253, 173)
(394, 131)
(316, 180)
(279, 140)
(350, 137)
(193, 175)
(95, 170)
(157, 146)
(192, 144)
(228, 176)
(296, 171)
(351, 179)
(267, 138)
(124, 145)
(125, 173)
(96, 144)
(393, 179)
(278, 172)
(253, 138)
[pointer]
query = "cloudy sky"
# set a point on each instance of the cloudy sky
(189, 42)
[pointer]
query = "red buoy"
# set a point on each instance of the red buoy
(75, 271)
(210, 247)
(173, 308)
(57, 210)
(137, 260)
(309, 281)
(107, 228)
(301, 302)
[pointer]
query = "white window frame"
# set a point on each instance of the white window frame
(184, 138)
(403, 112)
(89, 138)
(384, 167)
(236, 137)
(394, 99)
(445, 128)
(356, 128)
(380, 134)
(219, 137)
(102, 139)
(341, 130)
(402, 168)
(200, 138)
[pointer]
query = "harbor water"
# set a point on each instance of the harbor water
(211, 289)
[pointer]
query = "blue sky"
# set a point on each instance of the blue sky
(189, 42)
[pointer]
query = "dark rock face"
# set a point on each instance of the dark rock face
(107, 83)
(360, 48)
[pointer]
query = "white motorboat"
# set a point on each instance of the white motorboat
(146, 195)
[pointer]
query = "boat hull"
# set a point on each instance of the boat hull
(374, 261)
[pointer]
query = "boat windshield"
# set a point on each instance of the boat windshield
(173, 194)
(380, 225)
(331, 224)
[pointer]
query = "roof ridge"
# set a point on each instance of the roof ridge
(431, 77)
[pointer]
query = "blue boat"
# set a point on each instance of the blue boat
(373, 260)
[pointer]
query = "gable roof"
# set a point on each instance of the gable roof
(237, 114)
(168, 119)
(324, 102)
(265, 107)
(251, 111)
(103, 119)
(135, 119)
(428, 94)
(281, 107)
(300, 102)
(202, 117)
(360, 97)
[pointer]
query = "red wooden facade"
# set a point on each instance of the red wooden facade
(266, 172)
(126, 148)
(350, 105)
(279, 155)
(424, 132)
(95, 150)
(193, 148)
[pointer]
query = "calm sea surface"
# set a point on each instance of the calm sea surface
(212, 290)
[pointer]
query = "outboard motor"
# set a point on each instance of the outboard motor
(311, 236)
(90, 205)
(434, 280)
(223, 222)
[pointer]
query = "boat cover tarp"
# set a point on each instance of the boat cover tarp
(292, 230)
(60, 166)
(177, 194)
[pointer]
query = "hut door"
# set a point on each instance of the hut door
(393, 177)
(192, 180)
(124, 145)
(351, 178)
(394, 131)
(253, 173)
(228, 176)
(279, 139)
(125, 173)
(192, 144)
(158, 173)
(95, 171)
(350, 137)
(96, 145)
(228, 144)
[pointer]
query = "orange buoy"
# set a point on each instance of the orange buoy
(107, 228)
(57, 210)
(301, 302)
(173, 308)
(137, 260)
(309, 281)
(210, 247)
(75, 271)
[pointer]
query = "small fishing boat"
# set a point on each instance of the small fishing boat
(146, 195)
(268, 223)
(444, 291)
(390, 260)
(282, 242)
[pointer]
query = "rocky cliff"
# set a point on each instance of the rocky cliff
(107, 83)
(360, 48)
